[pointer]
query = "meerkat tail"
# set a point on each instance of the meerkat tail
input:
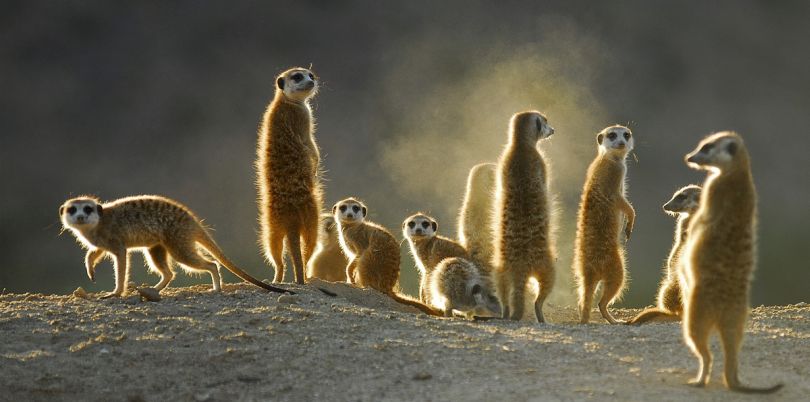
(422, 307)
(211, 247)
(654, 314)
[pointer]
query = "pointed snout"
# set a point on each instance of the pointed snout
(695, 158)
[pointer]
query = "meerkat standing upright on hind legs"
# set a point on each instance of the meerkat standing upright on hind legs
(475, 216)
(669, 305)
(164, 229)
(288, 161)
(522, 246)
(720, 256)
(598, 255)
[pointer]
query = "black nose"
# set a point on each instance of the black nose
(350, 216)
(80, 219)
(418, 231)
(621, 145)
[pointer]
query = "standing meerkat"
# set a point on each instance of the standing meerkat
(428, 248)
(372, 250)
(287, 164)
(719, 256)
(328, 262)
(669, 304)
(599, 256)
(522, 246)
(460, 284)
(475, 216)
(165, 230)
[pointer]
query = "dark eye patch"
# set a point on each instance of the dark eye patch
(425, 224)
(680, 197)
(626, 135)
(87, 209)
(355, 208)
(71, 210)
(411, 224)
(343, 208)
(611, 135)
(707, 148)
(297, 77)
(312, 77)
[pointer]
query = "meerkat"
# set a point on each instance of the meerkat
(599, 256)
(461, 285)
(475, 216)
(683, 204)
(328, 262)
(428, 248)
(522, 246)
(287, 165)
(165, 229)
(720, 255)
(373, 252)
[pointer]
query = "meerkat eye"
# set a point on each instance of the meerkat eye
(297, 77)
(611, 136)
(71, 210)
(87, 209)
(707, 148)
(626, 135)
(355, 208)
(312, 77)
(425, 224)
(411, 224)
(343, 208)
(680, 197)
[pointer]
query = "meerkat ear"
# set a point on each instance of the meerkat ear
(600, 138)
(435, 225)
(99, 209)
(731, 148)
(476, 289)
(61, 210)
(365, 210)
(280, 83)
(334, 209)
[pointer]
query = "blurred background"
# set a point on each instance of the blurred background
(116, 99)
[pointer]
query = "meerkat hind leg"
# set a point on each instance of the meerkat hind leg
(697, 330)
(276, 244)
(517, 297)
(587, 288)
(158, 259)
(294, 249)
(190, 258)
(610, 289)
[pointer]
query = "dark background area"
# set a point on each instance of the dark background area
(118, 99)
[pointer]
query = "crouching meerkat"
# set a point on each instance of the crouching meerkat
(669, 304)
(328, 262)
(461, 285)
(719, 256)
(373, 252)
(165, 229)
(287, 166)
(428, 248)
(599, 256)
(475, 216)
(522, 246)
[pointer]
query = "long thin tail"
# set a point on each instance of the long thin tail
(208, 243)
(752, 390)
(422, 307)
(653, 314)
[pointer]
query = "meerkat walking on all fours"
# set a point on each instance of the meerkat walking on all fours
(287, 164)
(461, 285)
(428, 248)
(599, 256)
(522, 246)
(669, 305)
(328, 262)
(163, 228)
(720, 255)
(373, 252)
(475, 217)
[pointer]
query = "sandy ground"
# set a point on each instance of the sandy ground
(246, 344)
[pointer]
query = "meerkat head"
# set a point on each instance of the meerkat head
(486, 303)
(297, 84)
(718, 152)
(327, 225)
(80, 213)
(529, 127)
(349, 211)
(615, 140)
(684, 201)
(419, 226)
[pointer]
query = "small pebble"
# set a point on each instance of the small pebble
(80, 293)
(149, 294)
(288, 299)
(422, 376)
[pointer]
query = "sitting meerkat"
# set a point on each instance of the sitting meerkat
(428, 248)
(461, 285)
(719, 256)
(328, 262)
(599, 256)
(669, 304)
(165, 229)
(373, 252)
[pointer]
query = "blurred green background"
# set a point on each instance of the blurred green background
(116, 99)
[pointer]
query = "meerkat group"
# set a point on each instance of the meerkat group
(504, 232)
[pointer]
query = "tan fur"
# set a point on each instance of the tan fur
(475, 217)
(328, 262)
(669, 304)
(599, 256)
(522, 245)
(460, 284)
(719, 256)
(373, 253)
(165, 229)
(287, 166)
(428, 249)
